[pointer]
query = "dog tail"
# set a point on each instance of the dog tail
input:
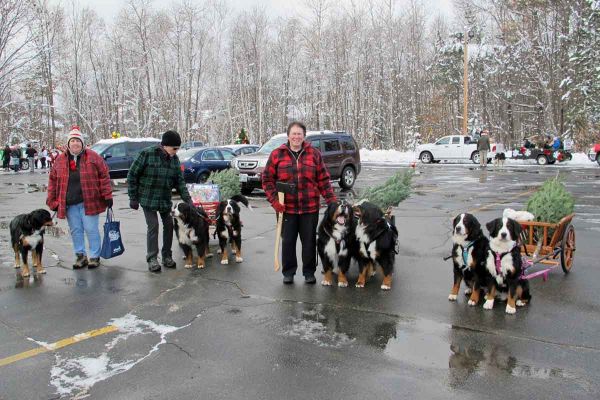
(241, 199)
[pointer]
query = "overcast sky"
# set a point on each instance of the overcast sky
(108, 9)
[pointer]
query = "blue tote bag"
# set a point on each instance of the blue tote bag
(112, 246)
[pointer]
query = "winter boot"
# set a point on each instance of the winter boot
(153, 265)
(168, 262)
(94, 263)
(81, 261)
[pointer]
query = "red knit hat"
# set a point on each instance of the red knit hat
(75, 133)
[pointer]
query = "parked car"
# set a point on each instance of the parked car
(452, 148)
(120, 153)
(594, 153)
(191, 145)
(241, 149)
(197, 164)
(339, 150)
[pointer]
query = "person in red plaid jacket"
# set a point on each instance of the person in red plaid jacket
(299, 163)
(79, 189)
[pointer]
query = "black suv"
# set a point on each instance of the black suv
(339, 150)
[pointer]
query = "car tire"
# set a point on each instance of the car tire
(348, 177)
(542, 159)
(24, 165)
(475, 157)
(426, 157)
(202, 178)
(246, 191)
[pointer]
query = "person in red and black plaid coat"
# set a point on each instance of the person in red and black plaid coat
(79, 189)
(299, 163)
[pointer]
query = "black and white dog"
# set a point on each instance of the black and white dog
(191, 227)
(376, 244)
(334, 241)
(229, 227)
(27, 234)
(469, 253)
(505, 265)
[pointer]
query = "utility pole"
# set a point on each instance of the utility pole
(468, 35)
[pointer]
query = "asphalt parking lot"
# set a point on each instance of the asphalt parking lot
(234, 331)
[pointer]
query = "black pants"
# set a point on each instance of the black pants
(304, 225)
(152, 235)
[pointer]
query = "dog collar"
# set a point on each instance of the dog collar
(499, 257)
(465, 253)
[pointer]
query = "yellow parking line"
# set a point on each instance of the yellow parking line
(58, 345)
(530, 191)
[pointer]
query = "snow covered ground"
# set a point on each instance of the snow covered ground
(406, 157)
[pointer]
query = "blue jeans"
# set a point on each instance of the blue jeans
(80, 223)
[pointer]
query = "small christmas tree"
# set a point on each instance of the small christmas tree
(228, 181)
(392, 192)
(552, 202)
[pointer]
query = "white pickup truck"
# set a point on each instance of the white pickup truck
(452, 148)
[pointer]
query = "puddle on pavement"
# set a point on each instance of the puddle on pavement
(29, 187)
(419, 342)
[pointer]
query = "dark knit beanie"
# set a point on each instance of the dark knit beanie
(171, 138)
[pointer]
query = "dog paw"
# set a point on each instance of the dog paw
(452, 297)
(471, 303)
(239, 259)
(521, 303)
(200, 266)
(488, 305)
(219, 251)
(17, 266)
(385, 287)
(360, 285)
(41, 271)
(343, 284)
(25, 275)
(188, 266)
(510, 310)
(468, 291)
(226, 261)
(325, 283)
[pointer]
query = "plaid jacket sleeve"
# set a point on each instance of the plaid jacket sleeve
(324, 179)
(133, 176)
(269, 176)
(103, 177)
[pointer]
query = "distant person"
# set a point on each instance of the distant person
(153, 175)
(6, 157)
(483, 146)
(15, 158)
(43, 157)
(79, 189)
(31, 152)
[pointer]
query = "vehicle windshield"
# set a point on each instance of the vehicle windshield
(272, 144)
(187, 154)
(100, 147)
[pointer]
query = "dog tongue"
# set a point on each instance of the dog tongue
(341, 220)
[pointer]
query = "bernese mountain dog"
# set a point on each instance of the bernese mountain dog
(191, 227)
(499, 159)
(469, 253)
(376, 244)
(27, 234)
(229, 227)
(505, 265)
(335, 236)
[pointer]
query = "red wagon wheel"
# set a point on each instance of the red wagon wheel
(568, 249)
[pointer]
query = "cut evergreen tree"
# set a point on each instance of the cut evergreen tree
(552, 202)
(389, 194)
(228, 181)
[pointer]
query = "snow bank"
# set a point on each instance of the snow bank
(406, 157)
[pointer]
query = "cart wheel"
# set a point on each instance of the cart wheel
(568, 249)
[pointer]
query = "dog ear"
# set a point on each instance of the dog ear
(456, 219)
(515, 229)
(475, 225)
(492, 226)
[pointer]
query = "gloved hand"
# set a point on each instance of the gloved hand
(109, 203)
(278, 207)
(134, 204)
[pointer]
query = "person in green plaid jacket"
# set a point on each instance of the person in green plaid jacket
(151, 178)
